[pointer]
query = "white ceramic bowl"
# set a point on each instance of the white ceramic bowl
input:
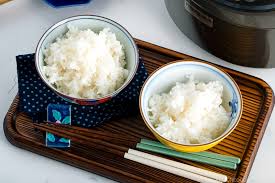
(95, 23)
(163, 79)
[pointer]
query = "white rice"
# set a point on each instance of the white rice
(191, 113)
(85, 64)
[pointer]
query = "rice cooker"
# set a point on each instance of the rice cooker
(239, 31)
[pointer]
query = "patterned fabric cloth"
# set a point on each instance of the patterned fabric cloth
(34, 97)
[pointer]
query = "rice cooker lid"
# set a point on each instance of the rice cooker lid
(249, 5)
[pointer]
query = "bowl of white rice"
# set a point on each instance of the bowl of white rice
(87, 59)
(190, 106)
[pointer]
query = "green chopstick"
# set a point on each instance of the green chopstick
(188, 156)
(192, 157)
(204, 153)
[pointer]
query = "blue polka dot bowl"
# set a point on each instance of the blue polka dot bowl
(95, 23)
(163, 79)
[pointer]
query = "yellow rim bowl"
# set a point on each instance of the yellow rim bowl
(171, 74)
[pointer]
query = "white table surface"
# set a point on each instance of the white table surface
(22, 22)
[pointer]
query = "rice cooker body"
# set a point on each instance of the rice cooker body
(241, 37)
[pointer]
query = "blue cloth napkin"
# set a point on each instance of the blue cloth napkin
(34, 97)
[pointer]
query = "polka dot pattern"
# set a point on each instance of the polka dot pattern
(35, 96)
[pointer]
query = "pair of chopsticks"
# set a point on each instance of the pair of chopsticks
(84, 136)
(201, 157)
(76, 132)
(174, 167)
(80, 135)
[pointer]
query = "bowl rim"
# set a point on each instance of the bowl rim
(213, 66)
(77, 17)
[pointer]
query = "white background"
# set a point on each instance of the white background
(22, 22)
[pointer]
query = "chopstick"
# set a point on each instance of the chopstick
(188, 156)
(165, 165)
(189, 168)
(66, 132)
(82, 131)
(204, 153)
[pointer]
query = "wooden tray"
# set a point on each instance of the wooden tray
(108, 161)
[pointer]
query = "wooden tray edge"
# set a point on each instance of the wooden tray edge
(266, 111)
